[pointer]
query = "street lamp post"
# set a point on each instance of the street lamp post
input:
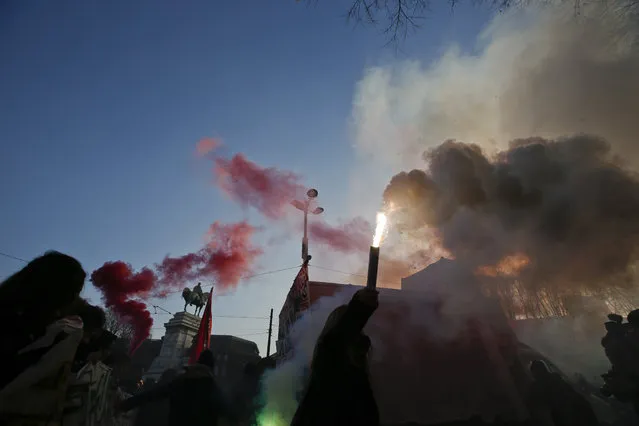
(305, 206)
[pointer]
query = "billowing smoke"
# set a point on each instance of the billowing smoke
(121, 290)
(542, 109)
(227, 257)
(349, 237)
(571, 81)
(206, 145)
(269, 190)
(567, 204)
(413, 342)
(537, 72)
(282, 386)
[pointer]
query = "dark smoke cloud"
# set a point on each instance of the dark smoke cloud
(566, 203)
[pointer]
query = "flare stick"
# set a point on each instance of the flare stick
(373, 261)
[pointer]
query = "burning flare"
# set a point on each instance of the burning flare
(379, 229)
(509, 266)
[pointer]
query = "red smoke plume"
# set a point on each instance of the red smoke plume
(119, 284)
(206, 145)
(228, 256)
(268, 190)
(352, 236)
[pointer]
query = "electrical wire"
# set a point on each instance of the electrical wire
(214, 316)
(275, 271)
(336, 270)
(9, 256)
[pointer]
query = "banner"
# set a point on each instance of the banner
(203, 338)
(297, 301)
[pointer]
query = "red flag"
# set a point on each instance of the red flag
(203, 338)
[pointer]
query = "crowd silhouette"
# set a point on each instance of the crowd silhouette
(52, 336)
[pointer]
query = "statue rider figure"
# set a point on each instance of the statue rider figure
(198, 290)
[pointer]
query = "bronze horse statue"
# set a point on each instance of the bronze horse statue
(195, 297)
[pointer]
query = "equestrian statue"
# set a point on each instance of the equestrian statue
(195, 297)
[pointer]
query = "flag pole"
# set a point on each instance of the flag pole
(270, 333)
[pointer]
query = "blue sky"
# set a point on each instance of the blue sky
(101, 104)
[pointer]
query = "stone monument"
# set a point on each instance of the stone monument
(180, 331)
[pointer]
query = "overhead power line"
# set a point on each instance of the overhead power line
(9, 256)
(338, 271)
(275, 271)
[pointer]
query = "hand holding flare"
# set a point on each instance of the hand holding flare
(373, 257)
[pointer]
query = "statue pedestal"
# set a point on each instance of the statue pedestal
(180, 331)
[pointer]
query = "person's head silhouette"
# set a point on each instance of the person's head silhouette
(45, 287)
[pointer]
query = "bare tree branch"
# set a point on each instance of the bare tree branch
(399, 17)
(117, 325)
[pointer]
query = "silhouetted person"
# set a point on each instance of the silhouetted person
(37, 392)
(156, 413)
(567, 406)
(34, 297)
(621, 345)
(339, 391)
(79, 324)
(194, 397)
(94, 338)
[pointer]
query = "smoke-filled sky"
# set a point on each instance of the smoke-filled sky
(103, 105)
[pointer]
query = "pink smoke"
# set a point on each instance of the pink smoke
(228, 255)
(206, 145)
(269, 190)
(119, 286)
(352, 236)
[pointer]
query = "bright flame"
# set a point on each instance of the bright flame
(509, 266)
(379, 229)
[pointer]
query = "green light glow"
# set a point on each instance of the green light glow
(267, 418)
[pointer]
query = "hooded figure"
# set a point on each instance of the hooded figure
(339, 390)
(194, 397)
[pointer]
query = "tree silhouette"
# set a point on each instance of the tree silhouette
(116, 325)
